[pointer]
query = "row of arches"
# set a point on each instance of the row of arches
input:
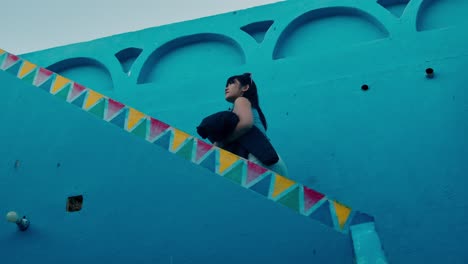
(319, 29)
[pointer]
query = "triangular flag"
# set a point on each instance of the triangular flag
(29, 78)
(186, 150)
(236, 174)
(311, 197)
(165, 140)
(63, 93)
(342, 213)
(98, 109)
(134, 116)
(9, 60)
(226, 159)
(141, 129)
(42, 76)
(27, 68)
(47, 85)
(80, 100)
(77, 90)
(92, 98)
(60, 81)
(202, 149)
(281, 184)
(157, 127)
(291, 199)
(2, 58)
(119, 120)
(209, 161)
(254, 171)
(323, 214)
(179, 137)
(263, 186)
(112, 108)
(14, 69)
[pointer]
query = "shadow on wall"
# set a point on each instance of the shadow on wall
(86, 71)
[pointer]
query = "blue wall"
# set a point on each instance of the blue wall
(141, 203)
(397, 150)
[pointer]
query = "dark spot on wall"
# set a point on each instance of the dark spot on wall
(74, 203)
(429, 73)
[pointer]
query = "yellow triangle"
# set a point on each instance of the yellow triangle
(281, 184)
(179, 138)
(133, 117)
(342, 212)
(226, 159)
(59, 83)
(1, 51)
(26, 68)
(93, 97)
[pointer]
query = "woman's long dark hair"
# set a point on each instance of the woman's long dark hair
(251, 93)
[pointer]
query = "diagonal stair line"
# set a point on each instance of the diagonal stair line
(275, 187)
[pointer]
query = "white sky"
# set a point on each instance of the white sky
(31, 25)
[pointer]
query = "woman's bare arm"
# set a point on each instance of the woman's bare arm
(243, 109)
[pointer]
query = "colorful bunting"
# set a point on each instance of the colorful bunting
(240, 171)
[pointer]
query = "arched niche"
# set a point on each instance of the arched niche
(327, 29)
(192, 55)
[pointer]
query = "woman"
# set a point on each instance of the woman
(241, 91)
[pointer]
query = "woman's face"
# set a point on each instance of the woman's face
(234, 90)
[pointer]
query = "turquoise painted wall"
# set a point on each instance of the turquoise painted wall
(141, 204)
(397, 151)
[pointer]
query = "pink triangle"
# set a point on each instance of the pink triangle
(113, 108)
(202, 149)
(10, 60)
(157, 127)
(311, 197)
(42, 76)
(253, 171)
(77, 89)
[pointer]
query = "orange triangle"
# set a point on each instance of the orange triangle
(226, 159)
(26, 68)
(179, 138)
(1, 51)
(281, 184)
(342, 212)
(93, 97)
(134, 116)
(59, 83)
